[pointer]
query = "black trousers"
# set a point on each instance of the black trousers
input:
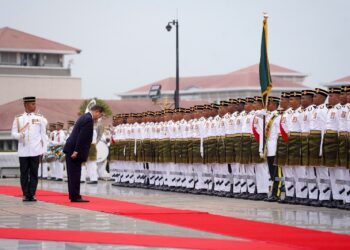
(29, 175)
(74, 173)
(273, 169)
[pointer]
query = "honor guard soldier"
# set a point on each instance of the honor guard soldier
(231, 139)
(238, 147)
(282, 145)
(60, 140)
(303, 170)
(294, 144)
(29, 129)
(317, 191)
(272, 131)
(246, 168)
(342, 171)
(347, 177)
(48, 156)
(258, 182)
(331, 147)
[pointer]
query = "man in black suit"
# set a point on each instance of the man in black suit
(77, 150)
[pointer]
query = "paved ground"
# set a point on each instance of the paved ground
(15, 213)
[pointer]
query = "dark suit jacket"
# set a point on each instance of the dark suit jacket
(81, 137)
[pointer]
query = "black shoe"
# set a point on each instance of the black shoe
(327, 204)
(261, 196)
(347, 206)
(292, 200)
(25, 198)
(315, 203)
(272, 199)
(92, 182)
(79, 200)
(59, 179)
(32, 198)
(285, 200)
(301, 201)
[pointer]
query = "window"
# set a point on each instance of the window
(52, 60)
(8, 58)
(8, 145)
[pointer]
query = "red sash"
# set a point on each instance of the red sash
(283, 132)
(255, 132)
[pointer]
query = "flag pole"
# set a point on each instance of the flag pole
(264, 69)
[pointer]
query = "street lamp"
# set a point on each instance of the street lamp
(177, 94)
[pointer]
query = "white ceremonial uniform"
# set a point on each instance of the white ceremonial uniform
(44, 168)
(288, 172)
(182, 167)
(236, 169)
(102, 164)
(170, 166)
(138, 135)
(318, 123)
(218, 169)
(295, 127)
(199, 132)
(342, 173)
(59, 141)
(189, 171)
(347, 175)
(91, 165)
(247, 170)
(30, 131)
(227, 126)
(208, 171)
(262, 169)
(302, 172)
(52, 163)
(335, 173)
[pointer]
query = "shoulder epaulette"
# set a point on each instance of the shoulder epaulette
(19, 115)
(38, 114)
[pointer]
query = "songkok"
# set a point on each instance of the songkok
(295, 94)
(321, 92)
(308, 92)
(284, 95)
(60, 124)
(249, 99)
(224, 103)
(334, 90)
(233, 101)
(257, 98)
(345, 89)
(199, 107)
(241, 100)
(73, 122)
(273, 99)
(214, 106)
(29, 99)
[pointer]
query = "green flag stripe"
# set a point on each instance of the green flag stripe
(264, 67)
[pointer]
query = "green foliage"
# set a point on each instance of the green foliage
(108, 111)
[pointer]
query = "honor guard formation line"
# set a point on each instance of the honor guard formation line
(295, 151)
(299, 155)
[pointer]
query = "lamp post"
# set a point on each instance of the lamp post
(176, 94)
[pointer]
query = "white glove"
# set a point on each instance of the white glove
(261, 155)
(261, 113)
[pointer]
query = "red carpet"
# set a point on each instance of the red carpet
(257, 231)
(132, 239)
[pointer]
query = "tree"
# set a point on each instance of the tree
(108, 111)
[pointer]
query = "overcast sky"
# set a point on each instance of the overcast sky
(125, 45)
